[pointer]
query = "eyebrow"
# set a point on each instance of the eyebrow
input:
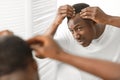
(75, 26)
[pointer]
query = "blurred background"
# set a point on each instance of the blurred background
(27, 18)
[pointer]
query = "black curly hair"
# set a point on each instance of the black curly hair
(14, 54)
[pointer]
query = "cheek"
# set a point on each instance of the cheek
(88, 34)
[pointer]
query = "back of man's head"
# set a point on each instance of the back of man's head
(14, 54)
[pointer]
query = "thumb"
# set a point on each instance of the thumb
(38, 51)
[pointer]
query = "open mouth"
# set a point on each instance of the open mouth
(81, 42)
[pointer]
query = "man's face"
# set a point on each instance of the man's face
(81, 30)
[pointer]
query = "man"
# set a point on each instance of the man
(16, 61)
(88, 26)
(49, 48)
(99, 40)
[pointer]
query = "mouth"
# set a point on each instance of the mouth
(81, 42)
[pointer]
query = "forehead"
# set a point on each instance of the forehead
(77, 20)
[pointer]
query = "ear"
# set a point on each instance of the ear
(93, 22)
(34, 65)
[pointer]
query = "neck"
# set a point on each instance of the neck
(99, 30)
(20, 75)
(13, 76)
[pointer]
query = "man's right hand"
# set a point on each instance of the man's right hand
(96, 14)
(45, 46)
(64, 11)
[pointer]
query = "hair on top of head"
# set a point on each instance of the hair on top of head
(14, 54)
(79, 6)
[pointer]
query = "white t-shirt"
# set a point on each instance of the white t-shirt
(106, 47)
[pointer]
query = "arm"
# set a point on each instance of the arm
(52, 28)
(97, 15)
(63, 11)
(49, 48)
(113, 20)
(104, 69)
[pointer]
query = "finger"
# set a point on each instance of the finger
(66, 15)
(65, 12)
(36, 40)
(70, 8)
(88, 9)
(86, 15)
(39, 56)
(38, 51)
(69, 14)
(67, 9)
(35, 46)
(41, 40)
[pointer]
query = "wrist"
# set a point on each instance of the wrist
(57, 55)
(55, 23)
(58, 20)
(61, 56)
(108, 19)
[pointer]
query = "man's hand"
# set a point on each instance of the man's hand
(44, 46)
(94, 13)
(5, 32)
(64, 11)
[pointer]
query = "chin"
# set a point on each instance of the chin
(85, 44)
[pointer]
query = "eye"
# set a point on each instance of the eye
(79, 28)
